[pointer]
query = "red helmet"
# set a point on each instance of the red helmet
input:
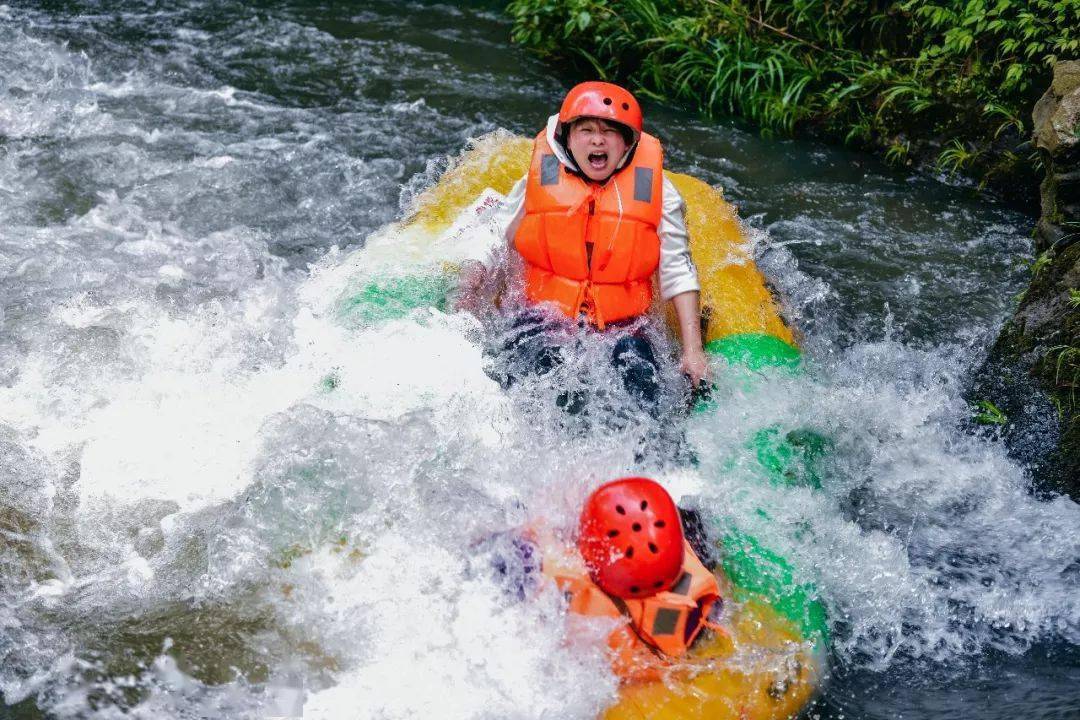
(602, 100)
(631, 538)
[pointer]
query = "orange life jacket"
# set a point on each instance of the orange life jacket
(588, 248)
(655, 630)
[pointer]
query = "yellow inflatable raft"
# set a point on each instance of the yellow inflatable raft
(771, 662)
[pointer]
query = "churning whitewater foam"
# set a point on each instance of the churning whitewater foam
(221, 496)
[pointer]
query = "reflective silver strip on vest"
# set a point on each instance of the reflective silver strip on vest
(549, 170)
(666, 622)
(643, 184)
(683, 585)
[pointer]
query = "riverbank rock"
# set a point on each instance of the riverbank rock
(1032, 374)
(1056, 119)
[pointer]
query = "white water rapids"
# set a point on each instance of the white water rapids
(193, 524)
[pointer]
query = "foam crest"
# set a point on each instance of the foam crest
(227, 492)
(925, 541)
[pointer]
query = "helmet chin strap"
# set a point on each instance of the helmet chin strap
(609, 249)
(626, 155)
(562, 135)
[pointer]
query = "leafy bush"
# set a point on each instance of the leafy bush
(961, 75)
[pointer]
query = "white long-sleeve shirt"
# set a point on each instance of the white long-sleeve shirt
(677, 272)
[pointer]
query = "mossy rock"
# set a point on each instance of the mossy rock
(1033, 374)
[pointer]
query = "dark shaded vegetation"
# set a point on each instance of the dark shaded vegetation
(950, 83)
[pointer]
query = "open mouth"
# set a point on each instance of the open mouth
(598, 160)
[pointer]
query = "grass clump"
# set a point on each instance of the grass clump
(1066, 360)
(987, 413)
(951, 79)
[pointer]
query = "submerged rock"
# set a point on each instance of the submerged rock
(1033, 372)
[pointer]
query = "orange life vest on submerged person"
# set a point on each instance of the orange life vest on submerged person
(657, 629)
(588, 248)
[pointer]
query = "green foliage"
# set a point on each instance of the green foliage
(1041, 263)
(1074, 298)
(989, 414)
(956, 158)
(1066, 366)
(898, 152)
(871, 73)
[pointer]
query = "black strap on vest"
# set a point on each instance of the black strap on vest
(630, 621)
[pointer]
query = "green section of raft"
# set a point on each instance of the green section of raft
(789, 459)
(755, 570)
(792, 458)
(755, 351)
(390, 298)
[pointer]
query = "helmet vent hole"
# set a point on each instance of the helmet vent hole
(644, 504)
(658, 584)
(635, 589)
(630, 552)
(607, 101)
(612, 533)
(653, 548)
(659, 524)
(626, 106)
(620, 509)
(637, 527)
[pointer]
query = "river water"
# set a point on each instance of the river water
(192, 524)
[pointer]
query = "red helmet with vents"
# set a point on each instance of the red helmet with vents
(602, 100)
(631, 538)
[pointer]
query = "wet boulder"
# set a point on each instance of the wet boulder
(1056, 119)
(1032, 376)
